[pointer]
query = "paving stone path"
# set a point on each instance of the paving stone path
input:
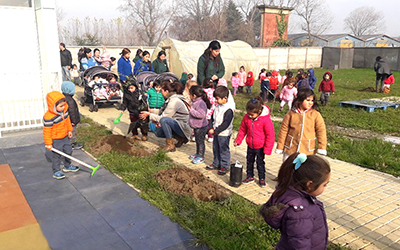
(362, 205)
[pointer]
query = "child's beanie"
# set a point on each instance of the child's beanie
(68, 88)
(222, 82)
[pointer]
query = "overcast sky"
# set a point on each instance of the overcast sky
(339, 9)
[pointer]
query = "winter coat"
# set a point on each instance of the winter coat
(88, 63)
(198, 114)
(301, 131)
(184, 78)
(160, 66)
(235, 81)
(381, 67)
(131, 102)
(207, 71)
(259, 132)
(288, 94)
(273, 83)
(312, 80)
(124, 68)
(68, 89)
(56, 125)
(389, 80)
(303, 84)
(327, 86)
(155, 99)
(301, 219)
(210, 96)
(105, 59)
(242, 77)
(250, 80)
(175, 108)
(66, 58)
(141, 66)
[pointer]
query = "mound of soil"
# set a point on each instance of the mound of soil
(184, 181)
(369, 89)
(119, 143)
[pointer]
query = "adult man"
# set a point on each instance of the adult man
(66, 62)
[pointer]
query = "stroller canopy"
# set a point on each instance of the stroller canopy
(166, 76)
(142, 75)
(98, 70)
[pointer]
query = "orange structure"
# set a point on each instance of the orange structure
(269, 26)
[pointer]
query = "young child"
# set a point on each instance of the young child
(133, 102)
(265, 85)
(186, 92)
(198, 121)
(57, 130)
(235, 82)
(99, 86)
(260, 138)
(114, 87)
(208, 87)
(288, 94)
(327, 87)
(303, 83)
(191, 77)
(242, 78)
(293, 207)
(387, 82)
(105, 59)
(273, 84)
(155, 98)
(312, 80)
(222, 120)
(112, 67)
(287, 77)
(302, 127)
(75, 75)
(68, 90)
(249, 82)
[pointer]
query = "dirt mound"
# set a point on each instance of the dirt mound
(121, 144)
(185, 181)
(369, 89)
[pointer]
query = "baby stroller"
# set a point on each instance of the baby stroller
(144, 78)
(166, 76)
(101, 92)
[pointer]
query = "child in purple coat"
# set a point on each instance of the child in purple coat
(198, 120)
(294, 209)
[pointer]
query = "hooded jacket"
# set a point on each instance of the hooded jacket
(198, 114)
(131, 102)
(312, 80)
(68, 89)
(327, 86)
(259, 132)
(250, 80)
(56, 125)
(235, 81)
(300, 132)
(105, 59)
(300, 217)
(381, 67)
(288, 94)
(389, 80)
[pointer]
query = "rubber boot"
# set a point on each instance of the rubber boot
(169, 145)
(181, 141)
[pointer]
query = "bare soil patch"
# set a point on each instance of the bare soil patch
(121, 144)
(185, 181)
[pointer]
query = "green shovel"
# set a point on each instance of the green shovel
(117, 120)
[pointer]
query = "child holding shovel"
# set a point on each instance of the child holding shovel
(57, 129)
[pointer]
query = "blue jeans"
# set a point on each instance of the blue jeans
(222, 155)
(169, 127)
(63, 145)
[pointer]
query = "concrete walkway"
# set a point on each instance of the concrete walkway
(77, 212)
(362, 205)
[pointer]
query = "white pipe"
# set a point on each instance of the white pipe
(71, 158)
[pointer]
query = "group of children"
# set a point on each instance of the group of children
(241, 79)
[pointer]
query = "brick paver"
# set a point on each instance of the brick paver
(362, 205)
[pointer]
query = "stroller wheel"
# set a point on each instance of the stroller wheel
(91, 107)
(96, 108)
(82, 101)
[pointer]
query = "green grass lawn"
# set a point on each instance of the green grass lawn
(227, 225)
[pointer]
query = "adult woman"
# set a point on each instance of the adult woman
(138, 56)
(124, 65)
(174, 116)
(160, 65)
(96, 56)
(210, 64)
(144, 64)
(88, 61)
(382, 71)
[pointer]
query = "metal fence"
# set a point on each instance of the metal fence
(23, 98)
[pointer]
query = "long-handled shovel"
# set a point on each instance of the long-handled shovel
(94, 169)
(117, 120)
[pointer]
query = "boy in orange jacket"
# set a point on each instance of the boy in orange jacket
(57, 130)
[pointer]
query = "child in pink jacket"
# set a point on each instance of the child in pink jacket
(235, 82)
(242, 77)
(260, 137)
(288, 93)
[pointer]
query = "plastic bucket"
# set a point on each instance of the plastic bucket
(236, 172)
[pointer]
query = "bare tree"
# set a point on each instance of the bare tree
(152, 21)
(364, 20)
(315, 16)
(60, 14)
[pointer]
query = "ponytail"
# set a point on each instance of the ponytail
(199, 92)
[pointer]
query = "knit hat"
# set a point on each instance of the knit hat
(68, 88)
(222, 82)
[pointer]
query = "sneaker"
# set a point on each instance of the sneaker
(58, 175)
(198, 160)
(280, 109)
(77, 145)
(248, 180)
(210, 139)
(262, 183)
(223, 171)
(192, 157)
(70, 169)
(212, 167)
(193, 139)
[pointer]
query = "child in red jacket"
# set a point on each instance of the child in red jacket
(260, 137)
(387, 82)
(249, 82)
(327, 87)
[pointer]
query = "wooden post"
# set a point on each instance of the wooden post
(269, 56)
(288, 57)
(305, 61)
